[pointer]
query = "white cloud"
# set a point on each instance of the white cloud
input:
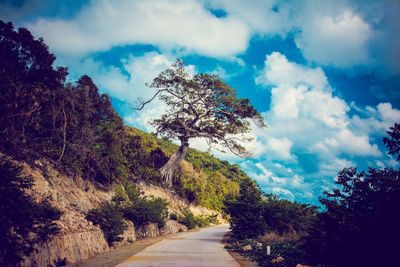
(343, 33)
(388, 113)
(375, 120)
(182, 25)
(283, 192)
(346, 142)
(305, 116)
(279, 71)
(333, 34)
(280, 148)
(260, 15)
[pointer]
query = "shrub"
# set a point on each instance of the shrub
(188, 219)
(191, 221)
(110, 220)
(23, 221)
(146, 211)
(138, 209)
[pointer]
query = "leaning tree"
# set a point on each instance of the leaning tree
(200, 106)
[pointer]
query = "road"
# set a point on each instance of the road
(201, 248)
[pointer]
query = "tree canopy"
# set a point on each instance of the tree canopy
(200, 106)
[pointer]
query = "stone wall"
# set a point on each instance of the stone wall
(80, 246)
(78, 238)
(72, 247)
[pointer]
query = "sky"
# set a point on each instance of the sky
(324, 74)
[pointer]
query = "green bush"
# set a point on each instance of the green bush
(146, 211)
(246, 211)
(23, 221)
(138, 209)
(110, 220)
(188, 219)
(191, 221)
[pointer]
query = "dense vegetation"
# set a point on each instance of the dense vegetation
(23, 220)
(192, 221)
(128, 204)
(359, 221)
(75, 126)
(253, 214)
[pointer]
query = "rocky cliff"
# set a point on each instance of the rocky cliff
(78, 238)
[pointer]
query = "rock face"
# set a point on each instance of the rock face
(73, 248)
(79, 239)
(172, 227)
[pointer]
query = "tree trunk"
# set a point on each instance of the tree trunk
(167, 171)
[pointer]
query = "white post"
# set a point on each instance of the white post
(268, 250)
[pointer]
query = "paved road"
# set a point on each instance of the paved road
(202, 248)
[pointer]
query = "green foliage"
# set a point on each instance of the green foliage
(284, 216)
(28, 83)
(110, 220)
(141, 210)
(44, 116)
(252, 214)
(23, 221)
(192, 221)
(246, 211)
(72, 124)
(201, 105)
(205, 183)
(146, 211)
(143, 155)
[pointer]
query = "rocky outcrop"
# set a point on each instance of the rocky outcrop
(172, 227)
(71, 247)
(78, 238)
(79, 246)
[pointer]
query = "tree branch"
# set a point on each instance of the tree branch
(151, 99)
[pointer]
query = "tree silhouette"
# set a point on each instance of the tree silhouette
(200, 106)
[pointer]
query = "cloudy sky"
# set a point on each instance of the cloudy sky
(325, 74)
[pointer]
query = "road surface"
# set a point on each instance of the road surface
(201, 248)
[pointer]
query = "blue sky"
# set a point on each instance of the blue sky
(324, 74)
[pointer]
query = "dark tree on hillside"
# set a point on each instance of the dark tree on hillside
(27, 79)
(42, 116)
(200, 106)
(23, 221)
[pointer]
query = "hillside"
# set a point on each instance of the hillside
(75, 181)
(201, 187)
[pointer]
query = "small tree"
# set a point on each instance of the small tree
(246, 211)
(200, 106)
